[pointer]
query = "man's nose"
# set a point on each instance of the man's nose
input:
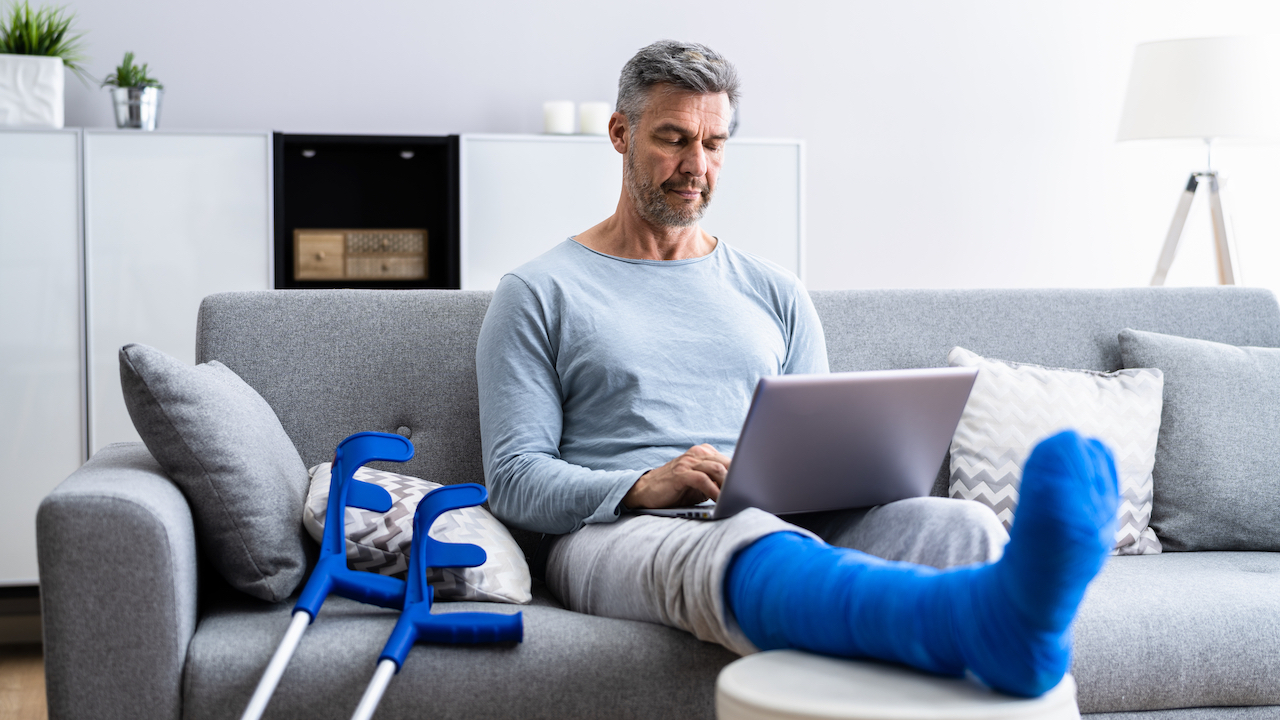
(694, 160)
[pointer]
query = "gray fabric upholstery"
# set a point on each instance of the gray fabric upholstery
(1221, 427)
(117, 555)
(569, 665)
(1180, 630)
(877, 329)
(1263, 712)
(223, 446)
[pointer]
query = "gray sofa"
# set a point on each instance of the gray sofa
(138, 626)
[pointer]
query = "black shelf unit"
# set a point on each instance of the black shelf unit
(368, 182)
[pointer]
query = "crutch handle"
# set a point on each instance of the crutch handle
(416, 621)
(331, 574)
(417, 624)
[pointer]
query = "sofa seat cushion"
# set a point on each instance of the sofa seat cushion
(1180, 630)
(569, 665)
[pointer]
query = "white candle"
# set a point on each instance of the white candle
(557, 117)
(593, 118)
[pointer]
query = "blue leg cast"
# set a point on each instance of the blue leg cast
(1008, 622)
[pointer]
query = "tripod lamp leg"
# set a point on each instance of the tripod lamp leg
(1228, 273)
(1175, 232)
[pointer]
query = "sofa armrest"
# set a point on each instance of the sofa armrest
(117, 554)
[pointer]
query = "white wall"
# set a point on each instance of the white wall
(951, 143)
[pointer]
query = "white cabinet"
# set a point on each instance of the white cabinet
(41, 377)
(523, 194)
(170, 217)
(106, 238)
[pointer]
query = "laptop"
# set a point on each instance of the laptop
(839, 441)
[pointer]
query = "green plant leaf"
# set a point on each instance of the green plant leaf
(45, 32)
(129, 75)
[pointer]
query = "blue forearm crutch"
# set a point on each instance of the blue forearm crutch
(331, 574)
(416, 621)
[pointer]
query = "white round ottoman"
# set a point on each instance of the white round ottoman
(790, 685)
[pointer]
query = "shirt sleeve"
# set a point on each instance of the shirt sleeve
(806, 343)
(521, 418)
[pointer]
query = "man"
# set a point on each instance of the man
(614, 372)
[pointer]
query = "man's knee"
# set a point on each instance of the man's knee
(970, 530)
(930, 531)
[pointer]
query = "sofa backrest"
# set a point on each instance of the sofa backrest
(878, 329)
(335, 362)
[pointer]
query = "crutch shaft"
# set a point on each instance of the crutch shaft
(275, 668)
(377, 686)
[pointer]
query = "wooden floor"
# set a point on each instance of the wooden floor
(22, 683)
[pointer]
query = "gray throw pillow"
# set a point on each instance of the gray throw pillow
(224, 447)
(1217, 472)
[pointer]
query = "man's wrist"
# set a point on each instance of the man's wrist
(623, 504)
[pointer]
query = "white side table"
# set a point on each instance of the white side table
(791, 685)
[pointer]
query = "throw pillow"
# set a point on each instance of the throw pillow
(379, 542)
(1217, 474)
(1013, 406)
(224, 447)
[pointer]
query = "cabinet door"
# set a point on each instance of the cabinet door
(41, 406)
(524, 194)
(169, 219)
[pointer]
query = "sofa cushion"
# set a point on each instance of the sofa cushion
(224, 448)
(570, 665)
(1180, 630)
(1013, 406)
(379, 542)
(1217, 473)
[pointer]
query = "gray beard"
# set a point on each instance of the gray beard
(651, 201)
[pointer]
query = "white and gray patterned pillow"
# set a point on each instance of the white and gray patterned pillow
(1013, 406)
(379, 542)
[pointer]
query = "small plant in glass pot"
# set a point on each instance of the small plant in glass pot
(35, 48)
(135, 95)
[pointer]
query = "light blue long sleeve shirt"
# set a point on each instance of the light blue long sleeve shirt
(594, 369)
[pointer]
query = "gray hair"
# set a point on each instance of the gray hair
(688, 66)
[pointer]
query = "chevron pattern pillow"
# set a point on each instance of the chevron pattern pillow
(379, 542)
(1013, 406)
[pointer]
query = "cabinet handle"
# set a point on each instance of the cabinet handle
(386, 267)
(320, 255)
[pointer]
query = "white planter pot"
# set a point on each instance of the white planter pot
(31, 91)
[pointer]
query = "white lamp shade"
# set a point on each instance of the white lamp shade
(1226, 87)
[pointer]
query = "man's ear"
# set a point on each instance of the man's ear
(619, 132)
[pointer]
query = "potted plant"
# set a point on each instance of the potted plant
(135, 94)
(35, 47)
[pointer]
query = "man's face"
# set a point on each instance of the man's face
(673, 157)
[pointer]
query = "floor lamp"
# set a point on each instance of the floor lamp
(1207, 89)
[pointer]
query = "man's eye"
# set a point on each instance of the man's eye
(714, 147)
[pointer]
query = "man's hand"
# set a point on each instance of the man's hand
(687, 480)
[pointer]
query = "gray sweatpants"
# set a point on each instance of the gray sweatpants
(671, 571)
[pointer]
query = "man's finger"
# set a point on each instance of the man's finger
(702, 483)
(708, 451)
(719, 457)
(712, 469)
